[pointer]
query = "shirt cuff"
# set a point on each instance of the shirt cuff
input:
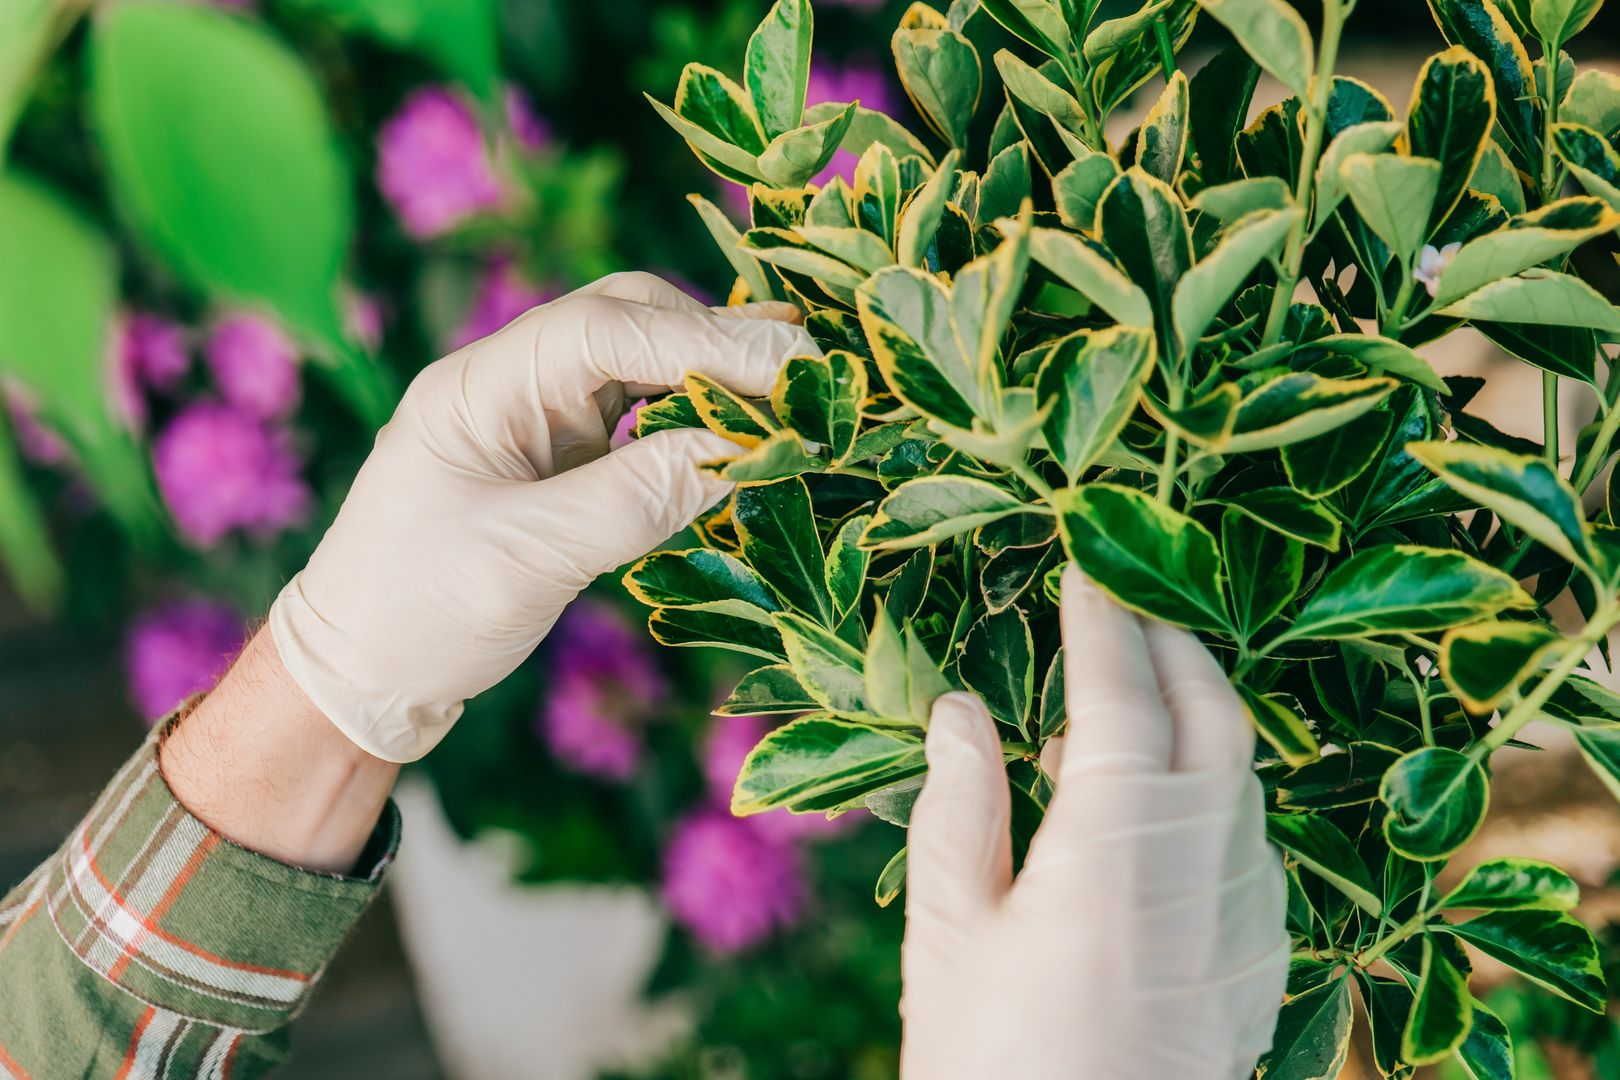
(175, 914)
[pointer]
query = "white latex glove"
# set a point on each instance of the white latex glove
(490, 500)
(1144, 937)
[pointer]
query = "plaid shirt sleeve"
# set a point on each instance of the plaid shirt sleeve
(151, 946)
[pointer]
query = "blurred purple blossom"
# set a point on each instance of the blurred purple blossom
(729, 740)
(221, 468)
(255, 364)
(605, 686)
(503, 294)
(153, 350)
(729, 884)
(37, 442)
(363, 318)
(859, 79)
(529, 128)
(433, 164)
(623, 432)
(178, 649)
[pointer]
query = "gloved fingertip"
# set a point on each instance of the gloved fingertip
(771, 310)
(961, 731)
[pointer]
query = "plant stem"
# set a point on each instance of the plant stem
(1315, 123)
(1167, 54)
(1367, 957)
(1599, 451)
(855, 470)
(1033, 479)
(1529, 707)
(1549, 417)
(1549, 56)
(1167, 467)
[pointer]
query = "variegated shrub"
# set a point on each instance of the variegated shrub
(1187, 358)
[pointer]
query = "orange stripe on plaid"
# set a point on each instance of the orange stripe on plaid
(13, 1070)
(134, 1044)
(161, 908)
(11, 931)
(158, 932)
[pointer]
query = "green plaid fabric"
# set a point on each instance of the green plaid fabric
(151, 946)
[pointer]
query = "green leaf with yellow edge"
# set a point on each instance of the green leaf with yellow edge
(829, 668)
(1142, 221)
(723, 624)
(941, 73)
(1088, 268)
(768, 691)
(1312, 1039)
(816, 757)
(793, 157)
(776, 526)
(1441, 1012)
(1528, 241)
(713, 102)
(1403, 588)
(1037, 22)
(726, 414)
(1539, 297)
(1274, 34)
(1290, 513)
(1600, 746)
(1079, 188)
(1006, 183)
(789, 250)
(1514, 885)
(695, 576)
(1204, 291)
(857, 247)
(1092, 381)
(729, 241)
(887, 680)
(1144, 554)
(998, 664)
(1549, 948)
(1321, 847)
(919, 220)
(1558, 21)
(1384, 355)
(1287, 409)
(1281, 726)
(891, 879)
(1371, 137)
(819, 398)
(1219, 100)
(930, 509)
(1591, 160)
(1161, 142)
(1487, 1052)
(778, 457)
(1593, 101)
(1478, 26)
(847, 563)
(777, 65)
(877, 191)
(1483, 663)
(1035, 90)
(1264, 570)
(906, 314)
(1394, 195)
(667, 414)
(1525, 492)
(1449, 121)
(1436, 799)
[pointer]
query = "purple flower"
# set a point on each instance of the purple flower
(730, 885)
(860, 80)
(503, 294)
(154, 350)
(220, 469)
(37, 442)
(432, 163)
(255, 364)
(605, 686)
(178, 649)
(363, 318)
(728, 743)
(530, 129)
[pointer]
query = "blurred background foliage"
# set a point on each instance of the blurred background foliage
(231, 232)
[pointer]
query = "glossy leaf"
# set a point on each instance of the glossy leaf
(907, 316)
(793, 157)
(1281, 726)
(1144, 554)
(1601, 749)
(1205, 290)
(998, 664)
(1035, 90)
(1394, 195)
(1436, 799)
(697, 576)
(1264, 570)
(1312, 1040)
(819, 397)
(1449, 121)
(777, 69)
(1322, 847)
(1322, 465)
(1559, 20)
(1486, 662)
(920, 219)
(1286, 511)
(1086, 267)
(1549, 948)
(724, 624)
(814, 757)
(934, 508)
(830, 669)
(1404, 588)
(777, 529)
(847, 564)
(941, 73)
(891, 880)
(1274, 34)
(1487, 1052)
(1478, 26)
(1539, 297)
(1218, 107)
(1142, 222)
(1525, 492)
(1092, 381)
(1514, 885)
(1441, 1012)
(1161, 142)
(1529, 241)
(768, 691)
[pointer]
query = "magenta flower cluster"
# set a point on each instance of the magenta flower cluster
(178, 649)
(605, 687)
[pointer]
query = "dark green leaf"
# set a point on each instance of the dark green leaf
(1312, 1040)
(1436, 799)
(1514, 885)
(1405, 588)
(724, 624)
(697, 576)
(814, 757)
(998, 664)
(1264, 569)
(1547, 947)
(776, 526)
(1322, 847)
(934, 508)
(1485, 662)
(1449, 121)
(1441, 1012)
(1291, 514)
(1091, 382)
(1142, 222)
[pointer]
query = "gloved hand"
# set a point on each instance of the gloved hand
(1144, 937)
(490, 500)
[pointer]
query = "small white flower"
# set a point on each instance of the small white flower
(1432, 263)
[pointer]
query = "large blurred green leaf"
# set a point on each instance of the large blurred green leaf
(27, 29)
(222, 159)
(1274, 34)
(25, 543)
(460, 36)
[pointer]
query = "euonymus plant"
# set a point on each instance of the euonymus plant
(1185, 357)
